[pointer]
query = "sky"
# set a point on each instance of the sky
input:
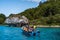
(8, 7)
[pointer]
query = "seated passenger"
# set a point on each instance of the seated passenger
(25, 29)
(34, 27)
(31, 29)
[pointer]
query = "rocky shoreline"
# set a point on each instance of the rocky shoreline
(46, 25)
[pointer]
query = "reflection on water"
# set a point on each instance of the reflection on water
(13, 33)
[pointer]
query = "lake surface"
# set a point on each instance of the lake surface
(14, 33)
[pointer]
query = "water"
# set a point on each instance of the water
(14, 33)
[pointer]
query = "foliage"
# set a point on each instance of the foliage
(2, 18)
(45, 13)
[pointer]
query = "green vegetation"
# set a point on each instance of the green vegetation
(2, 18)
(47, 13)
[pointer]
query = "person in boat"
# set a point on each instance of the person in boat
(34, 26)
(31, 29)
(25, 28)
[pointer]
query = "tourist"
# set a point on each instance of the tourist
(25, 29)
(31, 29)
(34, 27)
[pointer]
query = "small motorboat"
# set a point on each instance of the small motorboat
(33, 33)
(30, 31)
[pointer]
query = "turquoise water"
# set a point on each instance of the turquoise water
(13, 33)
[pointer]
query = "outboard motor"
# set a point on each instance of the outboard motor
(38, 33)
(34, 34)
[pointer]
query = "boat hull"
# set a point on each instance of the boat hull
(37, 33)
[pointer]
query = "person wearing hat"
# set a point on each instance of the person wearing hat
(34, 27)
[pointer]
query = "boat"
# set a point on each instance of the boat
(30, 31)
(33, 33)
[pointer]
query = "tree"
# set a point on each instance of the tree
(2, 18)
